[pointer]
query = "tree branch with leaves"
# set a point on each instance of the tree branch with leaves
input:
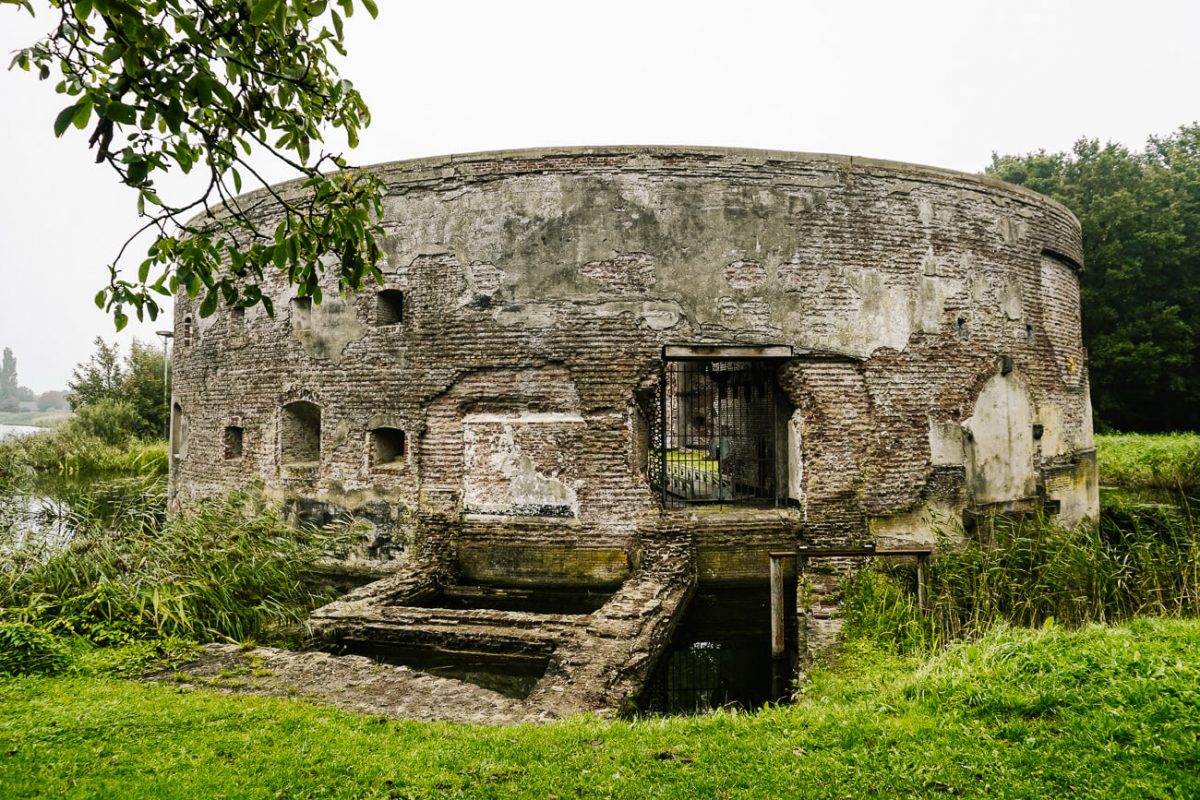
(204, 86)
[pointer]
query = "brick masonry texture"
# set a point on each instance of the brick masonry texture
(933, 316)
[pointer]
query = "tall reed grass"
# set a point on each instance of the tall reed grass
(1141, 559)
(231, 570)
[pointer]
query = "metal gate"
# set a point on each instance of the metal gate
(715, 438)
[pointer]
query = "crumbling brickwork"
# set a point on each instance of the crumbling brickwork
(529, 298)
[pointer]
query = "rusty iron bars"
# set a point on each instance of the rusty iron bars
(803, 554)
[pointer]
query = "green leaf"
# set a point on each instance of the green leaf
(135, 174)
(261, 10)
(82, 114)
(371, 8)
(143, 272)
(112, 52)
(337, 24)
(100, 295)
(121, 320)
(174, 115)
(201, 87)
(63, 120)
(120, 113)
(209, 304)
(83, 9)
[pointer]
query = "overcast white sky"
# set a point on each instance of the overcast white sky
(942, 83)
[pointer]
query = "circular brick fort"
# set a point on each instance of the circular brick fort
(578, 352)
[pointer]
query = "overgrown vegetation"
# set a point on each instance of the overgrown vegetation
(1158, 462)
(70, 451)
(1141, 559)
(115, 397)
(232, 570)
(1106, 712)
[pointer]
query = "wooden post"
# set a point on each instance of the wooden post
(777, 622)
(803, 608)
(922, 580)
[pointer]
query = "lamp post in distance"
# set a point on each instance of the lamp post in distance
(166, 336)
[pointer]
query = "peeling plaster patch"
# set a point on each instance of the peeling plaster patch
(800, 203)
(903, 187)
(484, 281)
(627, 273)
(931, 303)
(1012, 230)
(529, 315)
(529, 418)
(885, 318)
(329, 327)
(795, 456)
(945, 443)
(929, 264)
(999, 445)
(1053, 441)
(925, 211)
(658, 316)
(518, 465)
(745, 274)
(754, 313)
(1077, 490)
(1011, 300)
(981, 287)
(911, 528)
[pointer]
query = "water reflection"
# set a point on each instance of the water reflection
(39, 516)
(18, 430)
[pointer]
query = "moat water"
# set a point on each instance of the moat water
(18, 430)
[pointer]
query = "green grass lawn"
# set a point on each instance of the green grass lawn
(1102, 712)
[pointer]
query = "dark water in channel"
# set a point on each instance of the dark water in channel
(720, 655)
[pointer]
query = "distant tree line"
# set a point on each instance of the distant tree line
(15, 397)
(1140, 213)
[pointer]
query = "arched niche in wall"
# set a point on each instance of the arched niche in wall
(300, 434)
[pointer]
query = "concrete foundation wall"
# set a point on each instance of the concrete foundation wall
(933, 316)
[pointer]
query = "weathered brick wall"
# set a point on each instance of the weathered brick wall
(539, 288)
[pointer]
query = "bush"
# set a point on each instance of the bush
(27, 649)
(109, 420)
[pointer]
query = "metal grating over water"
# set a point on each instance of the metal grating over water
(716, 434)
